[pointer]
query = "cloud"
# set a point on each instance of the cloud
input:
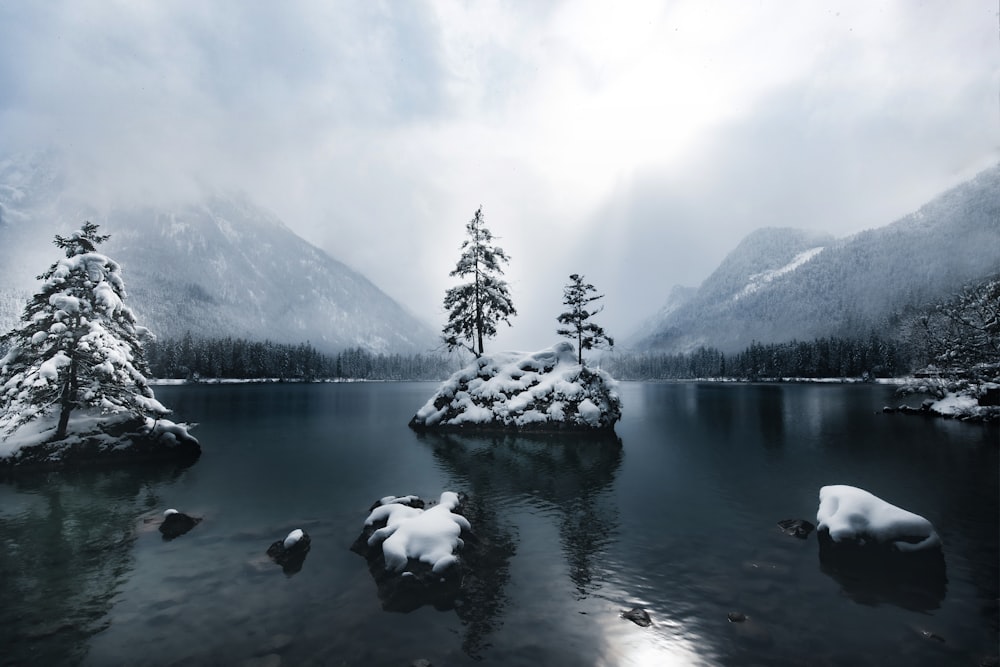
(635, 144)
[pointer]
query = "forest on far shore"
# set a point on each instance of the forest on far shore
(959, 337)
(213, 358)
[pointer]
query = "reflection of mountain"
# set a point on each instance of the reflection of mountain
(563, 476)
(67, 543)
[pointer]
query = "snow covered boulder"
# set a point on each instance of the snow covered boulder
(544, 391)
(879, 552)
(290, 553)
(851, 517)
(414, 550)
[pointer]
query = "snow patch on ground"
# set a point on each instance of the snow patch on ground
(953, 405)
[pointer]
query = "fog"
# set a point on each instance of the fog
(636, 144)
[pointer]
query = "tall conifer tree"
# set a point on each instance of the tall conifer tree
(474, 308)
(577, 296)
(78, 344)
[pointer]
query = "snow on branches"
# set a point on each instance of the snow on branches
(77, 346)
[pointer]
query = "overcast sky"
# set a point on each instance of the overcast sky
(633, 142)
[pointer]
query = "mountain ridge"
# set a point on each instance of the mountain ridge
(216, 266)
(860, 283)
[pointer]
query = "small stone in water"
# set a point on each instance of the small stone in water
(737, 617)
(638, 616)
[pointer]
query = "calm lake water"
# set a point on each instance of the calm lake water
(680, 520)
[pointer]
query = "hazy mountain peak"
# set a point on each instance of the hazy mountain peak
(779, 284)
(215, 265)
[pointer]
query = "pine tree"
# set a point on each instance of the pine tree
(474, 308)
(78, 346)
(577, 296)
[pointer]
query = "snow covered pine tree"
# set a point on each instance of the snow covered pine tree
(577, 296)
(78, 348)
(474, 308)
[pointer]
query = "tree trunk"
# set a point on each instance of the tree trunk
(67, 401)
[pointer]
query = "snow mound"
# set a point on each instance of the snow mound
(430, 536)
(851, 515)
(293, 538)
(545, 390)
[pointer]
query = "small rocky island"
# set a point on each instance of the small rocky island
(542, 391)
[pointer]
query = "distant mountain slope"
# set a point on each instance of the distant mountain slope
(780, 284)
(216, 267)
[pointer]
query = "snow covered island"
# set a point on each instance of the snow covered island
(72, 382)
(412, 548)
(544, 391)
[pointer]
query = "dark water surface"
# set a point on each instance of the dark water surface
(680, 520)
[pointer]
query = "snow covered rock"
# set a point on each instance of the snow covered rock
(851, 517)
(177, 523)
(878, 552)
(98, 439)
(413, 550)
(290, 553)
(544, 391)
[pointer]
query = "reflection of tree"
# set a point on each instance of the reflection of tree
(66, 546)
(567, 474)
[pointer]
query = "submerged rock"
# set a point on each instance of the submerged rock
(543, 391)
(799, 528)
(177, 523)
(290, 553)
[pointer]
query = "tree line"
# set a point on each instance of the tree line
(213, 358)
(195, 358)
(870, 357)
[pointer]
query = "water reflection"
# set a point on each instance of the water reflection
(67, 547)
(563, 478)
(914, 581)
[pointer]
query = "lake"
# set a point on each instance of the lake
(681, 520)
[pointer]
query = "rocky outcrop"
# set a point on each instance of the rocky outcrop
(544, 391)
(112, 443)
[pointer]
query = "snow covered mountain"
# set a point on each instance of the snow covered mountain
(219, 266)
(780, 284)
